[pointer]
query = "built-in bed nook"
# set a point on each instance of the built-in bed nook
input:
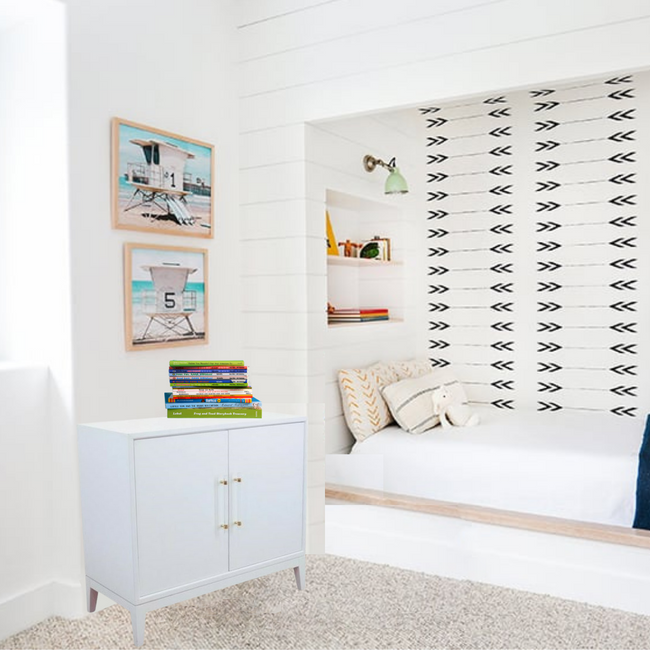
(524, 292)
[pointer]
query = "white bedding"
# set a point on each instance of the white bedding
(573, 465)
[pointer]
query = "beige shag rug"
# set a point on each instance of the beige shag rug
(352, 604)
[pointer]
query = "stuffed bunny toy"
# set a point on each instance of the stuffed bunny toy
(452, 413)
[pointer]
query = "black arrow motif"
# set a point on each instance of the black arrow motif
(545, 106)
(437, 196)
(547, 206)
(621, 94)
(548, 266)
(496, 100)
(548, 387)
(624, 285)
(626, 79)
(503, 346)
(549, 145)
(437, 214)
(547, 246)
(502, 306)
(548, 367)
(503, 365)
(624, 348)
(437, 159)
(437, 252)
(502, 287)
(501, 209)
(619, 179)
(624, 200)
(501, 189)
(624, 306)
(548, 347)
(620, 158)
(547, 226)
(437, 140)
(501, 132)
(439, 363)
(437, 178)
(438, 270)
(501, 151)
(548, 286)
(549, 327)
(503, 384)
(623, 264)
(622, 136)
(547, 186)
(624, 328)
(438, 306)
(622, 391)
(502, 229)
(437, 233)
(546, 165)
(619, 116)
(502, 268)
(548, 306)
(502, 327)
(630, 411)
(503, 404)
(438, 345)
(500, 112)
(501, 248)
(438, 121)
(502, 170)
(542, 92)
(624, 370)
(548, 406)
(547, 125)
(438, 325)
(431, 109)
(438, 288)
(624, 242)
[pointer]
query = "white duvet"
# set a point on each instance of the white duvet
(573, 465)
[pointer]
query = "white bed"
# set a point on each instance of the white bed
(572, 465)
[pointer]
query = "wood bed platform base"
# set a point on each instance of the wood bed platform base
(552, 525)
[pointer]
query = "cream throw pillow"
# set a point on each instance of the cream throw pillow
(411, 368)
(409, 400)
(364, 408)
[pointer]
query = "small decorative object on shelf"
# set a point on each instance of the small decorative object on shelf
(331, 239)
(387, 252)
(373, 250)
(350, 248)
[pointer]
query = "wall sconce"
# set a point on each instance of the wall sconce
(395, 183)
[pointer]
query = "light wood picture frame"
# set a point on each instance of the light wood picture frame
(161, 182)
(165, 296)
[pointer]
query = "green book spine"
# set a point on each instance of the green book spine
(235, 413)
(207, 363)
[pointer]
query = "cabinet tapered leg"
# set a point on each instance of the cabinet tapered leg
(299, 573)
(137, 621)
(91, 598)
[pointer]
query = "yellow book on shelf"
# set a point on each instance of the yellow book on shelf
(332, 248)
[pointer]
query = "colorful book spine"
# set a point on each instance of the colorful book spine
(199, 371)
(242, 376)
(213, 392)
(206, 363)
(204, 405)
(194, 399)
(235, 413)
(217, 383)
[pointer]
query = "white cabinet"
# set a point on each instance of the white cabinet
(173, 509)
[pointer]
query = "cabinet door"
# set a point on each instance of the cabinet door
(181, 505)
(268, 501)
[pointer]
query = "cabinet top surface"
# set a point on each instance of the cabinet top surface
(170, 426)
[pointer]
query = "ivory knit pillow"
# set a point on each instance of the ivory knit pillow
(409, 400)
(364, 408)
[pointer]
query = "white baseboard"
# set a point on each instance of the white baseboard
(610, 575)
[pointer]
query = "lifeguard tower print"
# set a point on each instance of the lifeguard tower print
(161, 182)
(165, 290)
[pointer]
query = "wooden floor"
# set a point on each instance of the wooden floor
(538, 523)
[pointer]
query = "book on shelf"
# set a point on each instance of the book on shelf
(241, 377)
(206, 363)
(235, 413)
(199, 370)
(213, 392)
(170, 402)
(207, 384)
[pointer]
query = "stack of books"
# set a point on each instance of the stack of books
(210, 389)
(357, 315)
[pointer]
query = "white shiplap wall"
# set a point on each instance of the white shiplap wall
(308, 60)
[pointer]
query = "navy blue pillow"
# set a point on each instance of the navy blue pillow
(642, 515)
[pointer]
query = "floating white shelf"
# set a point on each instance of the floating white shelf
(339, 260)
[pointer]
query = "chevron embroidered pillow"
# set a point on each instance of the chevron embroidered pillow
(363, 406)
(409, 400)
(411, 368)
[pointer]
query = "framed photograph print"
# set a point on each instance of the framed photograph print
(166, 296)
(161, 182)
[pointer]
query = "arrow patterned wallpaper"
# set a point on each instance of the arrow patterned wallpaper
(539, 241)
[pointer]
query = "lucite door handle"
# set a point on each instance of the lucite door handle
(222, 511)
(235, 502)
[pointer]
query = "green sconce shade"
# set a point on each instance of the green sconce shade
(395, 183)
